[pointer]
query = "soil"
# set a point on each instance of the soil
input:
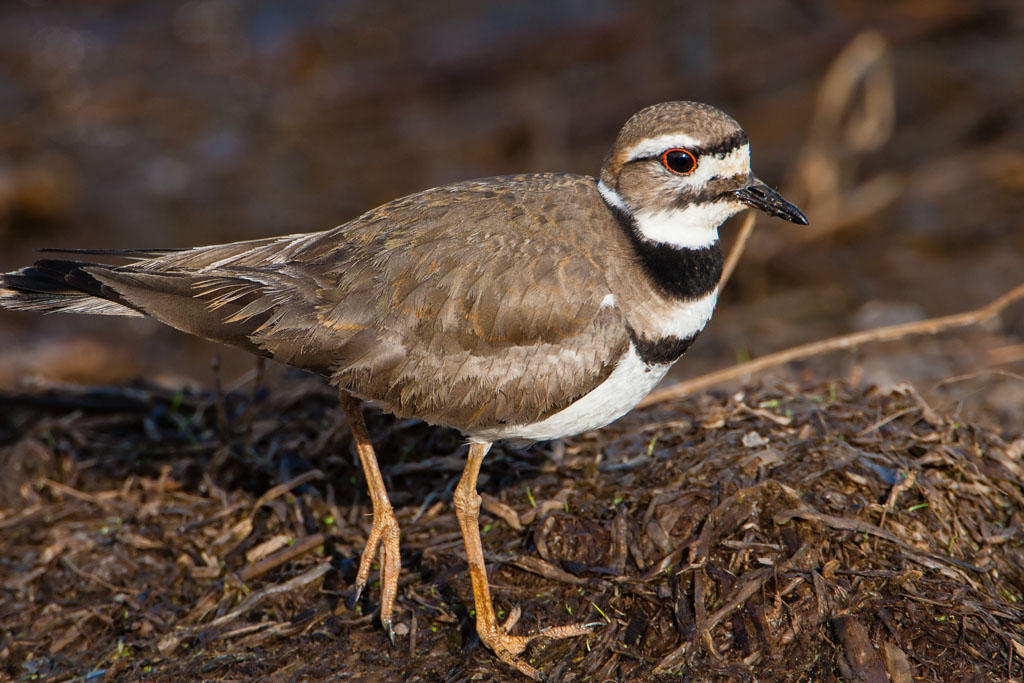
(784, 532)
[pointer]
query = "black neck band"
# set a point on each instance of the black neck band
(680, 273)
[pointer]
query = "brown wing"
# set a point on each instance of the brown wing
(464, 305)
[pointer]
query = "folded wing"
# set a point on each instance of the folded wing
(461, 305)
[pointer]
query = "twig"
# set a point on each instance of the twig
(854, 114)
(257, 597)
(737, 249)
(740, 594)
(846, 341)
(904, 484)
(92, 577)
(752, 585)
(979, 373)
(287, 486)
(263, 566)
(808, 513)
(222, 413)
(537, 566)
(250, 409)
(58, 487)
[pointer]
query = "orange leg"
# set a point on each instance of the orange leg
(494, 635)
(384, 532)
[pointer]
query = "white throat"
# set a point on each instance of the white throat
(693, 227)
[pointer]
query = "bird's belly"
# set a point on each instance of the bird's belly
(629, 382)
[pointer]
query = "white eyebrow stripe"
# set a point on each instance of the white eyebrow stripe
(655, 146)
(735, 163)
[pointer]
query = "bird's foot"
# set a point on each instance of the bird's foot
(508, 647)
(384, 534)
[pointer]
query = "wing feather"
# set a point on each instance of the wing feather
(470, 305)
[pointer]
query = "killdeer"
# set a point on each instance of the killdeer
(526, 307)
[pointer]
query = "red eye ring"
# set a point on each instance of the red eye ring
(679, 161)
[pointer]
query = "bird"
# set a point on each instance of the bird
(525, 307)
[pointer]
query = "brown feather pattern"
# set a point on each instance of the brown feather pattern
(389, 307)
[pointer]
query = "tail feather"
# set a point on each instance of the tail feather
(176, 299)
(132, 254)
(228, 293)
(58, 286)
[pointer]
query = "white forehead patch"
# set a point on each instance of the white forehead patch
(653, 147)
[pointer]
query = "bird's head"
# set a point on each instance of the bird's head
(680, 169)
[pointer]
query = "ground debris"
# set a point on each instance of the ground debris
(856, 536)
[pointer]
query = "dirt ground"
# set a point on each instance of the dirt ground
(784, 532)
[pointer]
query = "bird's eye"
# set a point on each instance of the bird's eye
(679, 161)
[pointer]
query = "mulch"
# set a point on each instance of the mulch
(785, 532)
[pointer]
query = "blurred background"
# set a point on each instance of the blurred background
(897, 126)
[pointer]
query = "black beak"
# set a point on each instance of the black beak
(760, 196)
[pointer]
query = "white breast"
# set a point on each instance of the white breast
(630, 381)
(684, 319)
